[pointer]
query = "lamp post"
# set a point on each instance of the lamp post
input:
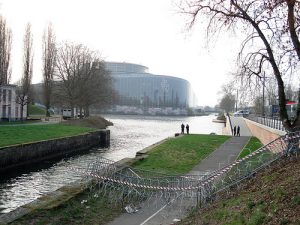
(236, 102)
(263, 97)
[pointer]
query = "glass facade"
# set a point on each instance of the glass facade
(136, 87)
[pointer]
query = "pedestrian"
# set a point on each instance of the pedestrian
(234, 131)
(238, 131)
(187, 129)
(182, 128)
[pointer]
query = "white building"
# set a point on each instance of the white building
(9, 109)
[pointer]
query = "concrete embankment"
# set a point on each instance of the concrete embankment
(264, 133)
(24, 154)
(66, 192)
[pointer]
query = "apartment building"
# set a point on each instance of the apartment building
(10, 110)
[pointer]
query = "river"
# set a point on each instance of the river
(128, 135)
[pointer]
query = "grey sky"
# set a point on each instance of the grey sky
(147, 32)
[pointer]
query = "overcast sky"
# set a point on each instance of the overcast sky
(147, 32)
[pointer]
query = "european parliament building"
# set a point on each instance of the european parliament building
(136, 87)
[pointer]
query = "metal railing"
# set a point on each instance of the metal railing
(228, 117)
(273, 122)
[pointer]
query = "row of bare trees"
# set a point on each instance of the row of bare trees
(5, 51)
(23, 92)
(73, 75)
(82, 78)
(24, 89)
(271, 44)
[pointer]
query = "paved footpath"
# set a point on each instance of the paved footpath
(156, 212)
(239, 121)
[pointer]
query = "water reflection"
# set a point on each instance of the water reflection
(128, 135)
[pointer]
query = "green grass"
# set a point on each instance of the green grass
(19, 122)
(175, 155)
(252, 145)
(88, 207)
(180, 155)
(271, 197)
(36, 110)
(19, 134)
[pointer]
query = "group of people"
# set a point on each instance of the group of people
(187, 127)
(236, 131)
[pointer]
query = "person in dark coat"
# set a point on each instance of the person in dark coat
(238, 131)
(234, 131)
(182, 128)
(187, 129)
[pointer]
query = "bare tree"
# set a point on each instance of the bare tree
(49, 57)
(227, 102)
(95, 87)
(67, 66)
(266, 47)
(5, 51)
(83, 80)
(23, 91)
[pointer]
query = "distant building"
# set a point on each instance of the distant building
(136, 87)
(9, 109)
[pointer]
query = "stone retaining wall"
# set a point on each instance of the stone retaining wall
(263, 133)
(18, 155)
(227, 129)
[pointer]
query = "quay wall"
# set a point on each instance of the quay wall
(24, 154)
(264, 133)
(227, 130)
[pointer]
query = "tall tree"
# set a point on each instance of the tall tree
(67, 65)
(266, 45)
(227, 102)
(95, 85)
(5, 51)
(23, 91)
(49, 57)
(83, 79)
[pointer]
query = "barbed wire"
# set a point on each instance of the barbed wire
(122, 183)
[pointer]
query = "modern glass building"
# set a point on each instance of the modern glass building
(136, 87)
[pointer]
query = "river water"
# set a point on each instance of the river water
(128, 135)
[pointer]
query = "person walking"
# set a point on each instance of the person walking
(187, 129)
(238, 131)
(234, 131)
(182, 128)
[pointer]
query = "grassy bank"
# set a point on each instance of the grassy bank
(177, 155)
(181, 154)
(271, 197)
(251, 146)
(20, 134)
(36, 110)
(92, 122)
(85, 208)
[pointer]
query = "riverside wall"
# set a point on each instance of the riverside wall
(70, 190)
(24, 154)
(264, 133)
(227, 130)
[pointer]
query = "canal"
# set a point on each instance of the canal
(128, 135)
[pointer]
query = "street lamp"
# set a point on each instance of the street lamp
(263, 97)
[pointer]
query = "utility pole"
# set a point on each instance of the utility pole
(263, 96)
(236, 102)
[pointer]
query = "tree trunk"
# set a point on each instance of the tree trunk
(297, 120)
(21, 113)
(72, 110)
(282, 99)
(292, 29)
(47, 104)
(87, 111)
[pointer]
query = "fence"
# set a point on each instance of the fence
(133, 186)
(273, 122)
